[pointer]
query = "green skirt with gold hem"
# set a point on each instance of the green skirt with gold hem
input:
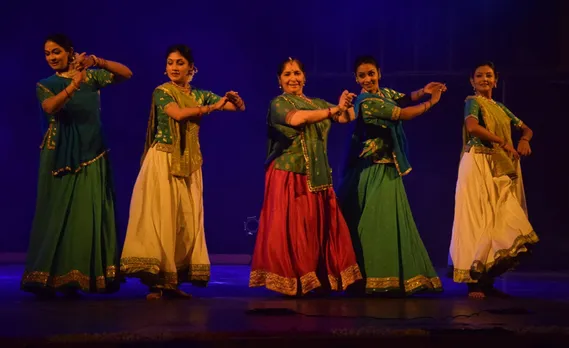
(73, 240)
(387, 243)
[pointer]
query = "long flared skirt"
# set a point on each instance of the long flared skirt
(386, 240)
(165, 241)
(303, 242)
(73, 242)
(491, 226)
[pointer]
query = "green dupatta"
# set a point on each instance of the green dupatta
(185, 147)
(313, 139)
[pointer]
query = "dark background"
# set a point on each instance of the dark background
(238, 45)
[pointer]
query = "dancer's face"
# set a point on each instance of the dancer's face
(292, 79)
(178, 69)
(484, 80)
(368, 76)
(56, 56)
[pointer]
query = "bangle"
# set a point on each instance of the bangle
(95, 60)
(426, 107)
(524, 138)
(329, 113)
(101, 63)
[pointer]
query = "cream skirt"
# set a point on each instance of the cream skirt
(491, 225)
(165, 242)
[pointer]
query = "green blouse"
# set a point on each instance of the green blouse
(472, 109)
(379, 135)
(161, 98)
(74, 132)
(180, 138)
(376, 113)
(303, 149)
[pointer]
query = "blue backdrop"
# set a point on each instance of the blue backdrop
(238, 45)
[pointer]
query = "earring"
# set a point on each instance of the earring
(165, 73)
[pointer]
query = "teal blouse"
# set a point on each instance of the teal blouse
(74, 132)
(472, 109)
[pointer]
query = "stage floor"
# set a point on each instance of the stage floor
(222, 310)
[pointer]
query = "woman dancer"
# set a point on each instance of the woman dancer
(165, 242)
(73, 240)
(491, 225)
(372, 195)
(303, 243)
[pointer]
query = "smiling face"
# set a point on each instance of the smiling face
(484, 80)
(178, 69)
(368, 76)
(56, 56)
(292, 79)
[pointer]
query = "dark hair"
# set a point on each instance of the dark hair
(365, 60)
(62, 40)
(287, 61)
(489, 64)
(184, 50)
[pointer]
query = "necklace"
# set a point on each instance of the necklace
(67, 74)
(184, 89)
(305, 98)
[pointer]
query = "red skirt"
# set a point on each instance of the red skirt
(303, 241)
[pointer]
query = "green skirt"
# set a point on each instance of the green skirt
(73, 240)
(390, 251)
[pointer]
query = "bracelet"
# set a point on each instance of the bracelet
(101, 63)
(425, 107)
(524, 138)
(337, 115)
(95, 60)
(329, 113)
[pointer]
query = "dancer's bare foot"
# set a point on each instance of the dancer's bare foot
(477, 295)
(155, 295)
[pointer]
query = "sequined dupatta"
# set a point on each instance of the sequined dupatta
(496, 121)
(185, 147)
(313, 140)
